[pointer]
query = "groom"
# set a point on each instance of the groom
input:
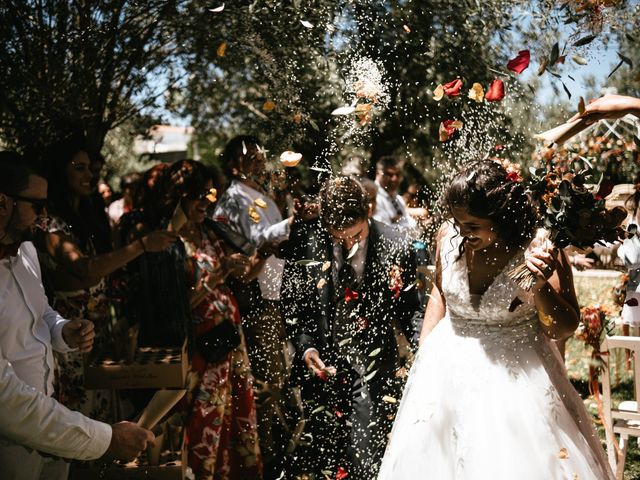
(348, 282)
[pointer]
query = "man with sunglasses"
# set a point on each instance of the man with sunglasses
(29, 331)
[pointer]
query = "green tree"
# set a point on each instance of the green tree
(89, 65)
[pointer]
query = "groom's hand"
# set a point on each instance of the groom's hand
(316, 365)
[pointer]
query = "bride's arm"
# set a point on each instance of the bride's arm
(436, 305)
(556, 300)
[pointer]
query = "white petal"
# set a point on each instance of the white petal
(217, 9)
(347, 110)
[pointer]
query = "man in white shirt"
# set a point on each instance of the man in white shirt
(250, 211)
(29, 331)
(390, 207)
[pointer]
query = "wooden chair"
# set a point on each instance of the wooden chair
(624, 420)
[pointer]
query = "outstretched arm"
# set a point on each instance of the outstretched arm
(80, 271)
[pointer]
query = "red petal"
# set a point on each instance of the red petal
(342, 474)
(452, 89)
(496, 91)
(448, 128)
(514, 177)
(520, 63)
(350, 295)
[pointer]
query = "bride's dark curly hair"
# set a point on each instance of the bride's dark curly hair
(483, 190)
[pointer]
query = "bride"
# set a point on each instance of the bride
(487, 396)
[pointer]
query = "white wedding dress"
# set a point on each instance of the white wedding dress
(487, 397)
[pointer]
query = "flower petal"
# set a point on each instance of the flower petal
(452, 89)
(438, 93)
(347, 110)
(290, 159)
(476, 93)
(222, 49)
(268, 106)
(520, 62)
(495, 93)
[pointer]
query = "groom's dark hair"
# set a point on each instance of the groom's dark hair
(343, 203)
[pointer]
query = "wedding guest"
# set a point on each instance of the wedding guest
(371, 189)
(33, 420)
(106, 193)
(221, 425)
(30, 330)
(391, 209)
(75, 270)
(248, 209)
(128, 185)
(345, 305)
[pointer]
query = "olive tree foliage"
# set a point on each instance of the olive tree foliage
(88, 65)
(279, 69)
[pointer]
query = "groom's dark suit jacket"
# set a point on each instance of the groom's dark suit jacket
(309, 295)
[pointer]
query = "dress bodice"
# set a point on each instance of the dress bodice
(503, 306)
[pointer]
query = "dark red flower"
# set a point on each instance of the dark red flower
(350, 295)
(452, 89)
(362, 323)
(514, 177)
(448, 128)
(520, 63)
(341, 474)
(495, 92)
(322, 375)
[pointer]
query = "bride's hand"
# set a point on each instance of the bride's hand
(542, 264)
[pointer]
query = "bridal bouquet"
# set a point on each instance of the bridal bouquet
(571, 213)
(594, 324)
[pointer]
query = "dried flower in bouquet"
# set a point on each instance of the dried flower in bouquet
(571, 213)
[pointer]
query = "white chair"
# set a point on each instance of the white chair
(624, 420)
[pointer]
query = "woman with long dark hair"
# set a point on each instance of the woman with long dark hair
(487, 395)
(75, 268)
(221, 424)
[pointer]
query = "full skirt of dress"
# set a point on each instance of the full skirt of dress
(487, 404)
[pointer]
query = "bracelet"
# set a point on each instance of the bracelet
(144, 250)
(206, 285)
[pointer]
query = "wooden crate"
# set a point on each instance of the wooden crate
(152, 367)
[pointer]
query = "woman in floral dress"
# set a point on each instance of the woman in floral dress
(221, 424)
(74, 270)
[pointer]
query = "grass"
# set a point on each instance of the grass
(592, 290)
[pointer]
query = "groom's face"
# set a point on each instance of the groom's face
(349, 236)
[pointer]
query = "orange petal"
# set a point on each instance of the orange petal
(438, 93)
(253, 215)
(290, 159)
(213, 195)
(258, 202)
(222, 49)
(476, 93)
(268, 106)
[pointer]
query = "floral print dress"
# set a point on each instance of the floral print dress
(92, 304)
(221, 426)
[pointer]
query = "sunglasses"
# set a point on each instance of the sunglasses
(39, 205)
